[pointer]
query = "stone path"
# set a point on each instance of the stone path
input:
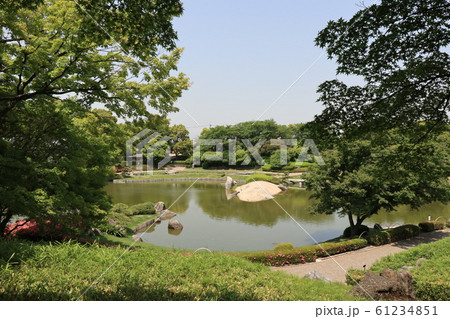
(335, 267)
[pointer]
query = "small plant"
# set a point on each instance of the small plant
(381, 237)
(283, 247)
(354, 276)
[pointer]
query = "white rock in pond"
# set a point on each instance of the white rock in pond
(229, 183)
(137, 238)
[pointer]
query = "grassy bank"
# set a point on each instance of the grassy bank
(431, 275)
(38, 271)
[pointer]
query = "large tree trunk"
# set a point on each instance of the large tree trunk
(5, 217)
(355, 226)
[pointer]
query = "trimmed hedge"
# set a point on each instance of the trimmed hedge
(386, 236)
(146, 208)
(260, 177)
(304, 254)
(361, 229)
(283, 247)
(431, 225)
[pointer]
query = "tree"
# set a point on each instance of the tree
(56, 63)
(399, 51)
(383, 135)
(362, 177)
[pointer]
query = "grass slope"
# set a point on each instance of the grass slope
(40, 271)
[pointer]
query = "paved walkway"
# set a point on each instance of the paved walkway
(335, 267)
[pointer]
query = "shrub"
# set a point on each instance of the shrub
(114, 228)
(56, 228)
(378, 237)
(386, 236)
(431, 225)
(354, 276)
(296, 256)
(146, 208)
(266, 168)
(283, 247)
(260, 177)
(447, 223)
(361, 229)
(404, 232)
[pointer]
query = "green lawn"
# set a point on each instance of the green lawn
(39, 271)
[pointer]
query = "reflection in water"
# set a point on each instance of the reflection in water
(212, 221)
(174, 232)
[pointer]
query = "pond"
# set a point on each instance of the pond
(213, 222)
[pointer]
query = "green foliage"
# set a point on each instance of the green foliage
(260, 177)
(64, 271)
(431, 225)
(56, 152)
(354, 276)
(114, 228)
(401, 79)
(363, 176)
(380, 237)
(143, 209)
(283, 247)
(267, 167)
(361, 229)
(431, 279)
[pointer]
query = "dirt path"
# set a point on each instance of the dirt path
(335, 267)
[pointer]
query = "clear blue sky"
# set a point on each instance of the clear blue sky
(242, 54)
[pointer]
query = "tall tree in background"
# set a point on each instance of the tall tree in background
(57, 61)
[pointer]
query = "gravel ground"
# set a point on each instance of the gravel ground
(335, 267)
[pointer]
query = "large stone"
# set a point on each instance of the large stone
(316, 276)
(283, 187)
(137, 238)
(229, 183)
(175, 224)
(167, 214)
(159, 206)
(388, 285)
(420, 261)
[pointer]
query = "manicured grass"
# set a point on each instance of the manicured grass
(38, 271)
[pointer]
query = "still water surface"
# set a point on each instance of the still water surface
(212, 221)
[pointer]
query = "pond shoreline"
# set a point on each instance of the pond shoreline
(183, 179)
